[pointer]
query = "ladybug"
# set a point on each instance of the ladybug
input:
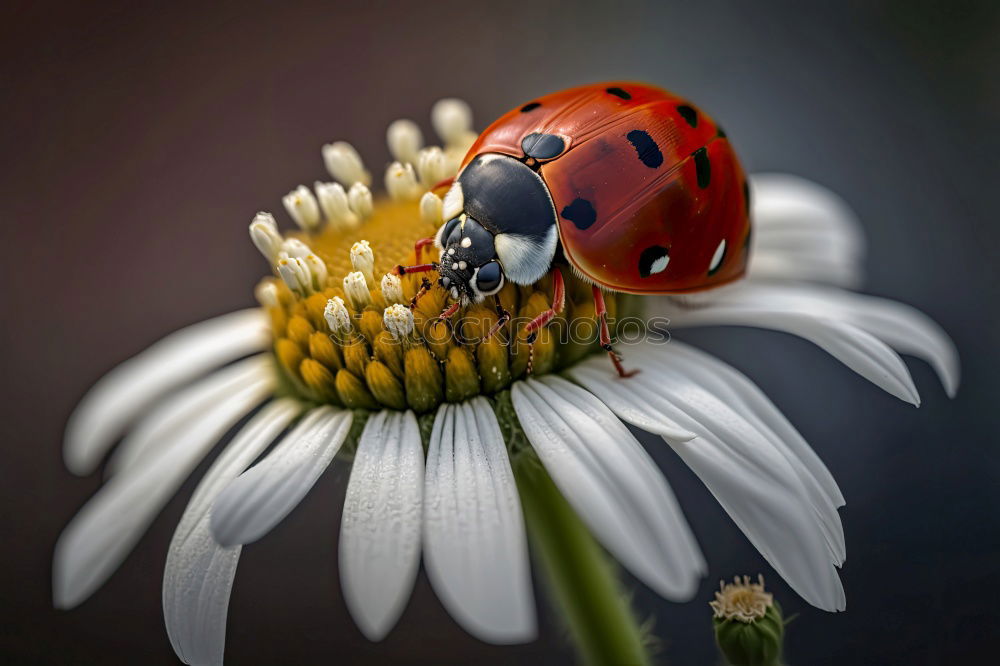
(632, 187)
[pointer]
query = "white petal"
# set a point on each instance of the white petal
(262, 496)
(681, 377)
(160, 426)
(611, 482)
(199, 573)
(905, 329)
(750, 304)
(761, 486)
(630, 406)
(803, 231)
(127, 390)
(106, 529)
(380, 531)
(737, 391)
(474, 542)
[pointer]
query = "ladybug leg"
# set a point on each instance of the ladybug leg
(418, 268)
(418, 247)
(602, 315)
(502, 317)
(558, 303)
(425, 286)
(449, 311)
(542, 320)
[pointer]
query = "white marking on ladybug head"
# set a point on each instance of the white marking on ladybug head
(451, 250)
(659, 265)
(466, 242)
(526, 259)
(454, 202)
(720, 252)
(454, 266)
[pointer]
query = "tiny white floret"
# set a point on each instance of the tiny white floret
(452, 120)
(344, 163)
(405, 140)
(336, 315)
(363, 261)
(398, 320)
(431, 166)
(356, 291)
(392, 288)
(265, 236)
(430, 208)
(333, 201)
(302, 207)
(401, 181)
(359, 197)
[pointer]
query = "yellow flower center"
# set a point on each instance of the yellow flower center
(370, 363)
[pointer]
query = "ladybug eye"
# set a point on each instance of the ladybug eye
(489, 279)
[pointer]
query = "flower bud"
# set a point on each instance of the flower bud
(333, 201)
(363, 261)
(452, 120)
(353, 392)
(460, 375)
(319, 379)
(264, 234)
(318, 271)
(293, 247)
(424, 384)
(323, 350)
(296, 275)
(384, 385)
(356, 291)
(392, 289)
(302, 207)
(431, 166)
(336, 315)
(401, 181)
(359, 197)
(749, 627)
(405, 140)
(299, 330)
(266, 294)
(398, 320)
(430, 208)
(344, 163)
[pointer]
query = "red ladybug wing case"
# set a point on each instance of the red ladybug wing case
(649, 194)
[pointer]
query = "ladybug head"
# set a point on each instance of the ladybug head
(501, 225)
(469, 267)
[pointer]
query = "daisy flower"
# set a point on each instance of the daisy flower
(464, 443)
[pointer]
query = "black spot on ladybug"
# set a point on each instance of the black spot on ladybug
(653, 260)
(581, 213)
(702, 167)
(722, 133)
(618, 92)
(530, 106)
(647, 149)
(542, 146)
(688, 114)
(746, 200)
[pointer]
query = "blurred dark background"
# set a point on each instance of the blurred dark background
(138, 139)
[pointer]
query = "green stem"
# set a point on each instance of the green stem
(580, 577)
